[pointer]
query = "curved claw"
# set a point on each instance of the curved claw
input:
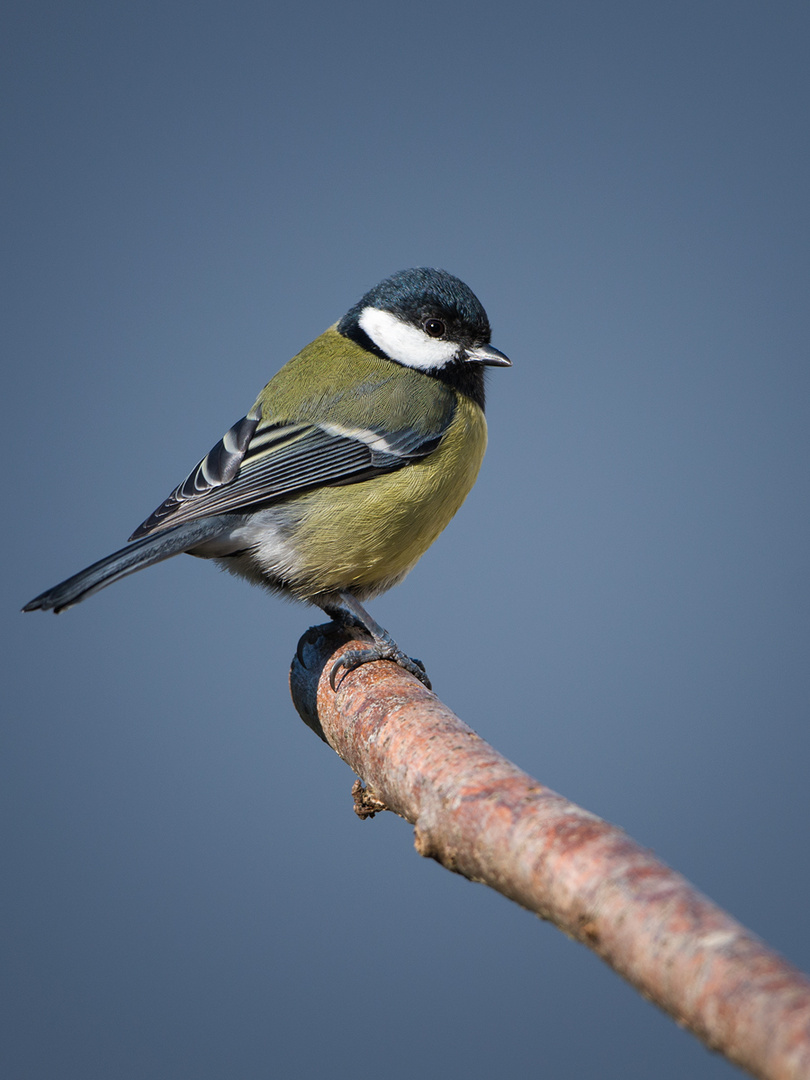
(355, 657)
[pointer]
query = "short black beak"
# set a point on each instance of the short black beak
(489, 355)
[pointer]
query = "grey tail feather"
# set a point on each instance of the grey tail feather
(135, 556)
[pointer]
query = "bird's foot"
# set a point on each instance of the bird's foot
(384, 648)
(345, 609)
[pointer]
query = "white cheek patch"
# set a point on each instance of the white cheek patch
(405, 343)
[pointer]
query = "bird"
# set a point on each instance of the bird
(353, 459)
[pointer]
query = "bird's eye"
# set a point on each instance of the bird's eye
(434, 327)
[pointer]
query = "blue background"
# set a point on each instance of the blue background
(192, 192)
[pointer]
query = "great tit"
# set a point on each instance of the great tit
(354, 458)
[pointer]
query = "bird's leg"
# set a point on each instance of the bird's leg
(348, 611)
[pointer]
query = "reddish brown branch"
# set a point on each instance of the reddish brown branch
(481, 816)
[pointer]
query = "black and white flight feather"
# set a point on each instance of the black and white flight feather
(254, 464)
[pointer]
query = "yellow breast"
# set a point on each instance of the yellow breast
(367, 536)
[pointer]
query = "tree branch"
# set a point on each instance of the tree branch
(479, 815)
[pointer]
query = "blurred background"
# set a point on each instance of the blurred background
(194, 191)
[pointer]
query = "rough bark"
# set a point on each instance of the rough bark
(479, 815)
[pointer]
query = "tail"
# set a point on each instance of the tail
(135, 556)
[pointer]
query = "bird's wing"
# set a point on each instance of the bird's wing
(259, 461)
